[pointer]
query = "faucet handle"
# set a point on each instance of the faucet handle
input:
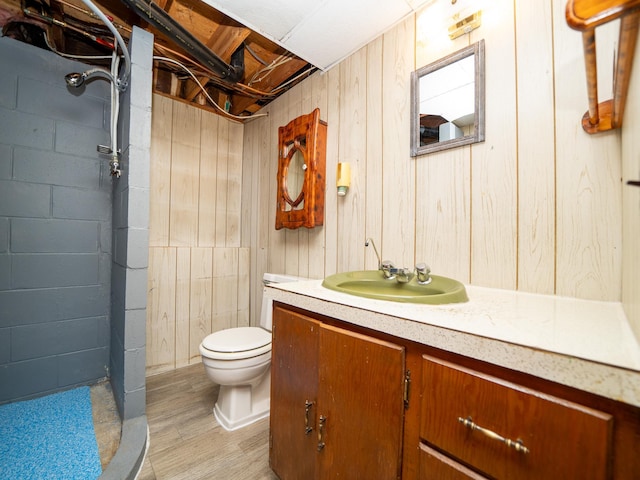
(387, 266)
(423, 273)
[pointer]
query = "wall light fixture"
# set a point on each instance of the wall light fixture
(460, 26)
(343, 178)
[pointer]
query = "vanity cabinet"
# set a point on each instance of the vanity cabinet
(337, 402)
(349, 402)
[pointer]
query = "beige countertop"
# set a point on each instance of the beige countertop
(584, 344)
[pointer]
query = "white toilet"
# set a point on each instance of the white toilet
(239, 360)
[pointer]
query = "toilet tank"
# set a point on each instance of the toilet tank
(266, 312)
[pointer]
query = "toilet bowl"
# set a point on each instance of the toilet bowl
(239, 360)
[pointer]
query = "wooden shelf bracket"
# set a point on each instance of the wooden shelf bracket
(585, 16)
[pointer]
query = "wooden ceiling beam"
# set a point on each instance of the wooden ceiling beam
(164, 4)
(9, 10)
(194, 89)
(243, 104)
(279, 75)
(57, 32)
(226, 39)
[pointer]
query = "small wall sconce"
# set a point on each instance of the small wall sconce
(464, 25)
(343, 178)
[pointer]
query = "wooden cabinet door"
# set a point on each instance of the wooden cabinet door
(294, 381)
(361, 399)
(302, 147)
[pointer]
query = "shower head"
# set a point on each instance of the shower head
(77, 79)
(74, 79)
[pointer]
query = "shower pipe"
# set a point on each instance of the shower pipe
(117, 83)
(114, 164)
(121, 82)
(75, 80)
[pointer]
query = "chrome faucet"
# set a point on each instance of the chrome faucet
(402, 275)
(366, 244)
(388, 269)
(405, 275)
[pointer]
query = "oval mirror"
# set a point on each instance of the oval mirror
(294, 177)
(447, 102)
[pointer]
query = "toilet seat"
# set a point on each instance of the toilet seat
(237, 343)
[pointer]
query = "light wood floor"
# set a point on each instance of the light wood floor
(186, 442)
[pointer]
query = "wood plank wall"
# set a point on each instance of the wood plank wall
(198, 272)
(536, 207)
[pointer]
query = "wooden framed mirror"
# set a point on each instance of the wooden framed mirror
(302, 146)
(447, 102)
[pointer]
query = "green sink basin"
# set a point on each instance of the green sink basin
(372, 284)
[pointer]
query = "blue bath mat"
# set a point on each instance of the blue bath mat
(51, 438)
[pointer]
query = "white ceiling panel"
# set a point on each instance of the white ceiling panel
(273, 19)
(339, 28)
(322, 32)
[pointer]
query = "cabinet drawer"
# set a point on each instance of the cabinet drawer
(435, 466)
(508, 431)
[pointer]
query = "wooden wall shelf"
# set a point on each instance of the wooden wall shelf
(585, 16)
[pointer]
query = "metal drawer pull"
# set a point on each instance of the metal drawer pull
(307, 407)
(517, 444)
(321, 423)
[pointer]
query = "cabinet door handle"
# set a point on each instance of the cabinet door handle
(321, 423)
(518, 445)
(307, 408)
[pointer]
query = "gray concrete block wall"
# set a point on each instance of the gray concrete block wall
(130, 235)
(55, 226)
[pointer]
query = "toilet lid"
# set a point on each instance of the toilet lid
(240, 339)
